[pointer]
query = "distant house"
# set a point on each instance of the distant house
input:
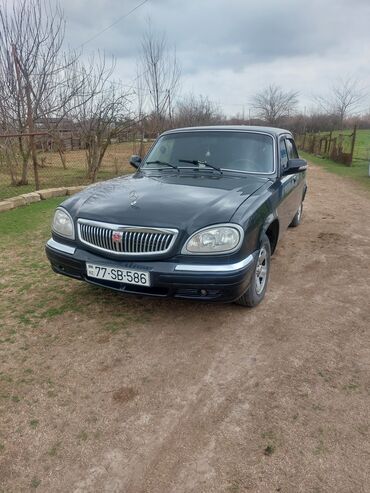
(60, 135)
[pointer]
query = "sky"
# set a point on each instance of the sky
(230, 49)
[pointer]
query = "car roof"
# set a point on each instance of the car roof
(237, 128)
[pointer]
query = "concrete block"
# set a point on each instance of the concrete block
(6, 205)
(73, 190)
(52, 192)
(17, 201)
(31, 197)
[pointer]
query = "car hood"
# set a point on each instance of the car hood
(170, 199)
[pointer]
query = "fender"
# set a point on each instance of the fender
(271, 228)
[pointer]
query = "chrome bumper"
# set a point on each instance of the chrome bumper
(237, 266)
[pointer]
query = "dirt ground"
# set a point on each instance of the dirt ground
(185, 397)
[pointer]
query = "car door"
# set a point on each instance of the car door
(289, 184)
(298, 178)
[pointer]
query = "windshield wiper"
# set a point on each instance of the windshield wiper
(162, 163)
(197, 162)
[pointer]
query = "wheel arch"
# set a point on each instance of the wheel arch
(272, 230)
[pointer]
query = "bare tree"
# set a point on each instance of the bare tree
(38, 79)
(141, 99)
(192, 111)
(161, 74)
(272, 104)
(101, 115)
(73, 87)
(344, 98)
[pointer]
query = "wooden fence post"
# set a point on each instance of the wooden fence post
(353, 144)
(313, 144)
(328, 150)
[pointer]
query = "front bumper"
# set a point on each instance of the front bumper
(217, 282)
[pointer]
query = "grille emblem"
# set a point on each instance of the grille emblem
(117, 236)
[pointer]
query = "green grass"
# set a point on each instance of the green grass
(358, 171)
(269, 449)
(23, 219)
(34, 423)
(40, 294)
(53, 451)
(320, 449)
(35, 483)
(82, 436)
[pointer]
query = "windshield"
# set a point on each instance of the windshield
(242, 151)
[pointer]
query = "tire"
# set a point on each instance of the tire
(257, 289)
(297, 219)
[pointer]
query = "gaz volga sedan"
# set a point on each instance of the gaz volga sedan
(199, 219)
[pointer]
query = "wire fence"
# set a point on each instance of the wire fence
(63, 162)
(58, 165)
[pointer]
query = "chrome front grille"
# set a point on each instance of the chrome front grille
(126, 240)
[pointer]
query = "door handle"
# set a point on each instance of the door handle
(294, 180)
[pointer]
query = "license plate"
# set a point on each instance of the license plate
(126, 276)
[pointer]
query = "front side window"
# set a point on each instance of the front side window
(291, 149)
(241, 151)
(283, 154)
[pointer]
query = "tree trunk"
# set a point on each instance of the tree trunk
(95, 158)
(60, 150)
(10, 164)
(141, 149)
(13, 176)
(35, 162)
(24, 179)
(92, 159)
(62, 158)
(25, 156)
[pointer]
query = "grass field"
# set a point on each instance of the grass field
(362, 145)
(52, 174)
(26, 274)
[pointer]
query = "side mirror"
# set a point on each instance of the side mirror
(295, 166)
(135, 161)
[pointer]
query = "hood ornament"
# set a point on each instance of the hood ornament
(133, 198)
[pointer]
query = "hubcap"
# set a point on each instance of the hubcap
(261, 270)
(299, 213)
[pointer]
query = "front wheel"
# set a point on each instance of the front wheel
(257, 288)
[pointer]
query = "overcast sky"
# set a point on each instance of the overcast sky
(229, 49)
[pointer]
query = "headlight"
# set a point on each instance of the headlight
(215, 239)
(63, 224)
